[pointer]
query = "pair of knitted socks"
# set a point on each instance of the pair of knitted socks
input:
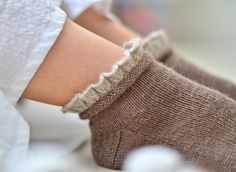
(144, 102)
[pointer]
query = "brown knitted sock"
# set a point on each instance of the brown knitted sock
(158, 45)
(141, 102)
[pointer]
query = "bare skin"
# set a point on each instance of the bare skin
(104, 27)
(67, 68)
(75, 61)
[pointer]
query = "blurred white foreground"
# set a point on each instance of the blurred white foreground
(149, 159)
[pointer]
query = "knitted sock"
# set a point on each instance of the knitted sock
(157, 44)
(141, 102)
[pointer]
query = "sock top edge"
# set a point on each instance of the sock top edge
(94, 92)
(157, 44)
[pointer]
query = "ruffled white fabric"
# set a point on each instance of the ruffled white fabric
(28, 29)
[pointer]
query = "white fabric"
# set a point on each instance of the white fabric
(74, 8)
(50, 126)
(14, 133)
(28, 29)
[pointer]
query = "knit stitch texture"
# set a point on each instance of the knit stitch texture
(153, 105)
(158, 44)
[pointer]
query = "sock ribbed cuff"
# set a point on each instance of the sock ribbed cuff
(107, 81)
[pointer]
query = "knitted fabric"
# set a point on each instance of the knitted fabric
(152, 105)
(158, 45)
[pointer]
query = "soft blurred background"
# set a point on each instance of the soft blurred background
(204, 31)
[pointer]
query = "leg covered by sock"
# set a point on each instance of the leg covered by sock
(142, 102)
(158, 45)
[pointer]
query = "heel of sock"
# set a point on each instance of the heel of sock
(105, 148)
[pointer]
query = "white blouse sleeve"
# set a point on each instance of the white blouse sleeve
(74, 8)
(28, 30)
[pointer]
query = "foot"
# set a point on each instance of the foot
(142, 102)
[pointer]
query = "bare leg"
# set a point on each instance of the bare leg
(102, 26)
(74, 62)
